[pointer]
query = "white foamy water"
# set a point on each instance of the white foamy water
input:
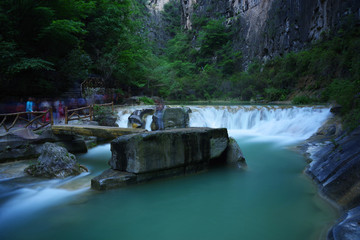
(268, 122)
(294, 123)
(125, 112)
(29, 200)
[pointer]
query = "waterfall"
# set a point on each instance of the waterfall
(291, 122)
(298, 123)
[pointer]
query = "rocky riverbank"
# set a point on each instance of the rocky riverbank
(334, 157)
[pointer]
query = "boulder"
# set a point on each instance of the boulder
(138, 118)
(161, 150)
(108, 120)
(152, 155)
(26, 144)
(105, 117)
(54, 162)
(173, 118)
(234, 155)
(331, 128)
(19, 144)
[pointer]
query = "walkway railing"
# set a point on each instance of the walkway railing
(35, 120)
(83, 112)
(40, 119)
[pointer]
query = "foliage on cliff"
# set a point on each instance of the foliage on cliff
(202, 63)
(46, 46)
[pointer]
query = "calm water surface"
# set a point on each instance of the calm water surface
(272, 199)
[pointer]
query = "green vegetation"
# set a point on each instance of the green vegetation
(46, 46)
(146, 100)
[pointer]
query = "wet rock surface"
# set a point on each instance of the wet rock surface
(234, 154)
(147, 156)
(348, 227)
(54, 162)
(160, 150)
(110, 179)
(138, 118)
(176, 117)
(335, 167)
(25, 144)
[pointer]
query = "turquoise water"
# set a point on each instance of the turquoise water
(272, 199)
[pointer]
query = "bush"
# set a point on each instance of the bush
(343, 92)
(302, 100)
(274, 94)
(146, 100)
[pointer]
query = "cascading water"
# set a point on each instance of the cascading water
(291, 123)
(296, 123)
(66, 209)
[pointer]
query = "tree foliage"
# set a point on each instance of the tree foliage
(61, 42)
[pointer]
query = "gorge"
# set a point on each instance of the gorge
(249, 54)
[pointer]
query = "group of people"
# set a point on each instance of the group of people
(33, 105)
(57, 105)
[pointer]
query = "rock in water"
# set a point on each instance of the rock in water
(234, 154)
(348, 226)
(173, 118)
(152, 155)
(161, 150)
(138, 118)
(176, 118)
(54, 162)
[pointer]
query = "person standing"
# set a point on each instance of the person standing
(29, 108)
(56, 114)
(159, 114)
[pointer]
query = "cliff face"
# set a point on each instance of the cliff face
(268, 28)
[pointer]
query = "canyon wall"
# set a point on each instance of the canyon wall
(268, 28)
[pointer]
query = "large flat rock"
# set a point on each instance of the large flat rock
(161, 150)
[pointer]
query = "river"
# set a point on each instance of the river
(271, 200)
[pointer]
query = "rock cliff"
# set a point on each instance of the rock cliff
(268, 28)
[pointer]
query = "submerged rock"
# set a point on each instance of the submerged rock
(110, 179)
(54, 162)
